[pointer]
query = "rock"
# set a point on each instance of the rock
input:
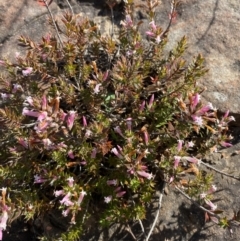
(212, 30)
(210, 26)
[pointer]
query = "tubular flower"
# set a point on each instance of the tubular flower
(128, 23)
(115, 151)
(70, 119)
(112, 182)
(57, 193)
(108, 199)
(205, 109)
(27, 71)
(81, 196)
(176, 161)
(197, 120)
(179, 147)
(210, 204)
(195, 100)
(192, 159)
(147, 175)
(118, 130)
(70, 181)
(66, 200)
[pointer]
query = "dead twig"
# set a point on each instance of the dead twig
(198, 205)
(221, 172)
(54, 24)
(70, 6)
(157, 214)
(130, 231)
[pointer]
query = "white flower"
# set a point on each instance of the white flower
(107, 199)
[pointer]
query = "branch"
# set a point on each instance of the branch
(198, 205)
(130, 231)
(174, 4)
(141, 224)
(158, 212)
(221, 172)
(70, 7)
(55, 26)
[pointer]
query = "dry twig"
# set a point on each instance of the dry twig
(55, 26)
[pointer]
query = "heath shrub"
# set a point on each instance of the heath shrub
(92, 124)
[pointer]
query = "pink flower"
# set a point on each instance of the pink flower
(44, 102)
(225, 144)
(84, 121)
(197, 120)
(210, 204)
(83, 162)
(108, 199)
(2, 63)
(57, 193)
(39, 179)
(81, 196)
(3, 219)
(128, 23)
(105, 76)
(150, 34)
(28, 112)
(117, 129)
(176, 161)
(151, 101)
(226, 114)
(195, 100)
(212, 189)
(112, 182)
(94, 153)
(29, 99)
(142, 106)
(145, 174)
(205, 109)
(158, 39)
(96, 89)
(17, 87)
(71, 155)
(203, 195)
(42, 115)
(66, 200)
(27, 71)
(48, 144)
(23, 142)
(153, 25)
(70, 119)
(66, 212)
(120, 194)
(146, 137)
(192, 159)
(171, 179)
(190, 144)
(179, 147)
(70, 181)
(115, 151)
(6, 96)
(129, 123)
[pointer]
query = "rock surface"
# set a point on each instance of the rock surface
(212, 28)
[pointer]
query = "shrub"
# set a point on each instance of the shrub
(91, 125)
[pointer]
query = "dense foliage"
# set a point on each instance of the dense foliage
(91, 125)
